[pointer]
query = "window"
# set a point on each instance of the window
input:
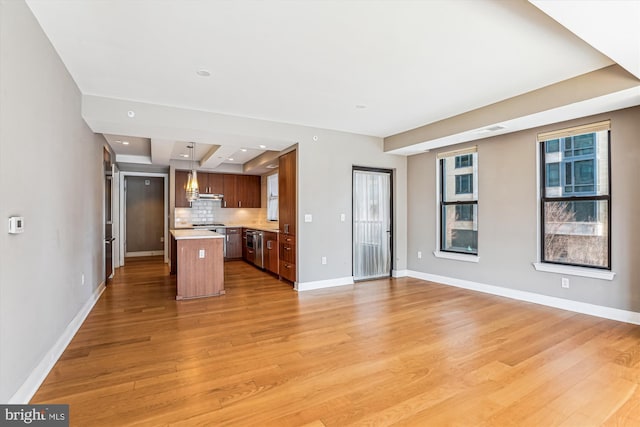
(272, 197)
(464, 184)
(459, 202)
(464, 161)
(575, 196)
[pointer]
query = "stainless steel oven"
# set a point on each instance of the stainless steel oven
(255, 253)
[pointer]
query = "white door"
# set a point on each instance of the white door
(372, 222)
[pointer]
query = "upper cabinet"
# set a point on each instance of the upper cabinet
(241, 191)
(181, 189)
(287, 193)
(249, 191)
(211, 183)
(287, 216)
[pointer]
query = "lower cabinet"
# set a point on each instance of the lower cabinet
(271, 252)
(234, 243)
(287, 257)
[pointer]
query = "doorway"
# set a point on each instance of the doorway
(108, 216)
(144, 216)
(372, 223)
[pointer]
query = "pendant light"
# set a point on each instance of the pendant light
(192, 179)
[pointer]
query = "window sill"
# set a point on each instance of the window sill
(456, 257)
(574, 271)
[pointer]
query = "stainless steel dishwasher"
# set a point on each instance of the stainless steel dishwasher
(255, 251)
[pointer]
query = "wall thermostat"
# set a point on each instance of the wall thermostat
(16, 224)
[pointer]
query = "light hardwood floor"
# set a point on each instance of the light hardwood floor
(387, 352)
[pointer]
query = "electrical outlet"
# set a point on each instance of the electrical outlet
(419, 254)
(201, 253)
(324, 260)
(565, 283)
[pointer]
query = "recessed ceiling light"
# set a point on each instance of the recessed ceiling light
(244, 150)
(184, 155)
(203, 72)
(231, 159)
(131, 114)
(125, 142)
(263, 146)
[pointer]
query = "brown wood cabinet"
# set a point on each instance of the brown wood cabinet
(199, 275)
(234, 243)
(271, 251)
(248, 188)
(181, 189)
(241, 191)
(230, 185)
(287, 206)
(211, 183)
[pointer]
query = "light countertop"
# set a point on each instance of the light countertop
(195, 234)
(250, 227)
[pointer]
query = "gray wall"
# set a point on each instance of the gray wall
(324, 190)
(507, 216)
(50, 173)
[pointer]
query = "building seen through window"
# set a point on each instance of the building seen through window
(459, 202)
(575, 199)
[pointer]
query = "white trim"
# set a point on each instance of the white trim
(38, 375)
(399, 273)
(122, 218)
(574, 271)
(456, 257)
(144, 253)
(561, 303)
(321, 284)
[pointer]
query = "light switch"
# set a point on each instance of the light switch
(201, 253)
(342, 217)
(308, 218)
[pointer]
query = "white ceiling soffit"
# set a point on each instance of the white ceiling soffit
(610, 102)
(369, 67)
(610, 26)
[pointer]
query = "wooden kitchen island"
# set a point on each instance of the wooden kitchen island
(198, 260)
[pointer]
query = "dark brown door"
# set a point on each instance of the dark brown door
(144, 205)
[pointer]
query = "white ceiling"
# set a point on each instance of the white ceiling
(368, 67)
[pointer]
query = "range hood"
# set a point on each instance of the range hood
(211, 196)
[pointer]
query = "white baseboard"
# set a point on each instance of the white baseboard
(564, 304)
(399, 273)
(143, 253)
(320, 284)
(37, 376)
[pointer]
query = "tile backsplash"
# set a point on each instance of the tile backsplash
(211, 211)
